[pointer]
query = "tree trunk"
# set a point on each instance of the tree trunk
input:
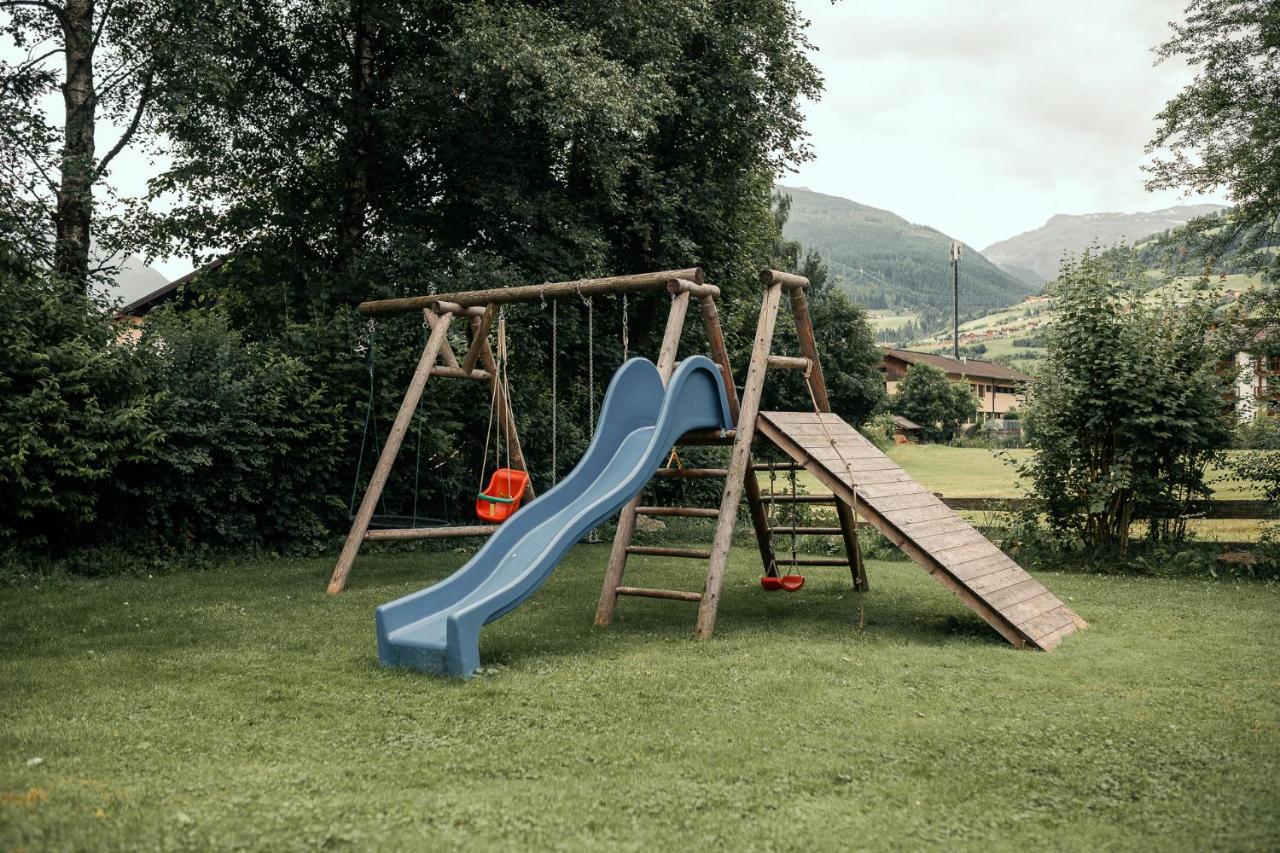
(75, 196)
(359, 145)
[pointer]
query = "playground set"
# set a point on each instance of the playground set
(648, 410)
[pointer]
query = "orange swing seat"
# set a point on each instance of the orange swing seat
(502, 496)
(773, 583)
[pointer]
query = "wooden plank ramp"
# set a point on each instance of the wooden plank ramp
(913, 518)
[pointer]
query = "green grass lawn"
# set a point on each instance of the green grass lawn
(240, 707)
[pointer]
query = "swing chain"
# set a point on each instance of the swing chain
(555, 390)
(591, 365)
(626, 336)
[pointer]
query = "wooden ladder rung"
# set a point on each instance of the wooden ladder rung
(788, 362)
(679, 511)
(808, 531)
(799, 499)
(692, 473)
(654, 551)
(397, 533)
(676, 594)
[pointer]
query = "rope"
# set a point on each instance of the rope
(493, 404)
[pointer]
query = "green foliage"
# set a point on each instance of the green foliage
(1125, 410)
(252, 445)
(480, 145)
(71, 410)
(1223, 129)
(940, 406)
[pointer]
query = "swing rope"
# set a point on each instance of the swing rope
(370, 421)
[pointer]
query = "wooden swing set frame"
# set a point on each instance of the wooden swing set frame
(478, 364)
(863, 481)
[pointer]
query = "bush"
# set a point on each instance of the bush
(252, 450)
(1125, 410)
(72, 410)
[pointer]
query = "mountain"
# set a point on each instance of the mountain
(1040, 251)
(134, 279)
(885, 262)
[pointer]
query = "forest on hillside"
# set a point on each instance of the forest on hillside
(885, 262)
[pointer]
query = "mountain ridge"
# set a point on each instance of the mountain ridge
(1040, 250)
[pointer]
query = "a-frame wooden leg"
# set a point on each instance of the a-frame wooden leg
(720, 355)
(627, 517)
(395, 438)
(739, 462)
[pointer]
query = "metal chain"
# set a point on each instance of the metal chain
(626, 336)
(555, 388)
(591, 365)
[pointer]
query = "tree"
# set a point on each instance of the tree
(1125, 410)
(357, 148)
(84, 35)
(1223, 129)
(940, 406)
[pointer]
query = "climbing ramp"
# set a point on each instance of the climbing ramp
(913, 518)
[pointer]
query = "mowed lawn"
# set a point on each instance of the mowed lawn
(241, 707)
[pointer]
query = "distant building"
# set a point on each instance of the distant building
(905, 430)
(1256, 390)
(998, 388)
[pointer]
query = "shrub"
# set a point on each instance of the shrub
(1125, 410)
(251, 449)
(71, 410)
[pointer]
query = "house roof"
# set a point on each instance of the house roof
(964, 366)
(139, 307)
(904, 424)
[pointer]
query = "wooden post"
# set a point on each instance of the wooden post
(720, 355)
(627, 518)
(446, 351)
(378, 481)
(480, 331)
(818, 384)
(739, 461)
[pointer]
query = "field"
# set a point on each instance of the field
(974, 472)
(242, 708)
(884, 318)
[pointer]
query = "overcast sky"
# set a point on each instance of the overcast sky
(985, 118)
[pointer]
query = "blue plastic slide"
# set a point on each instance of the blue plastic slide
(438, 628)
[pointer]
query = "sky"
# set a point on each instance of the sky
(984, 118)
(980, 118)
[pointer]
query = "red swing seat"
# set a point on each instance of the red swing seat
(502, 496)
(773, 583)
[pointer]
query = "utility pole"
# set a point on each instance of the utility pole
(955, 299)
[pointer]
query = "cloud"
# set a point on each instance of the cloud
(985, 118)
